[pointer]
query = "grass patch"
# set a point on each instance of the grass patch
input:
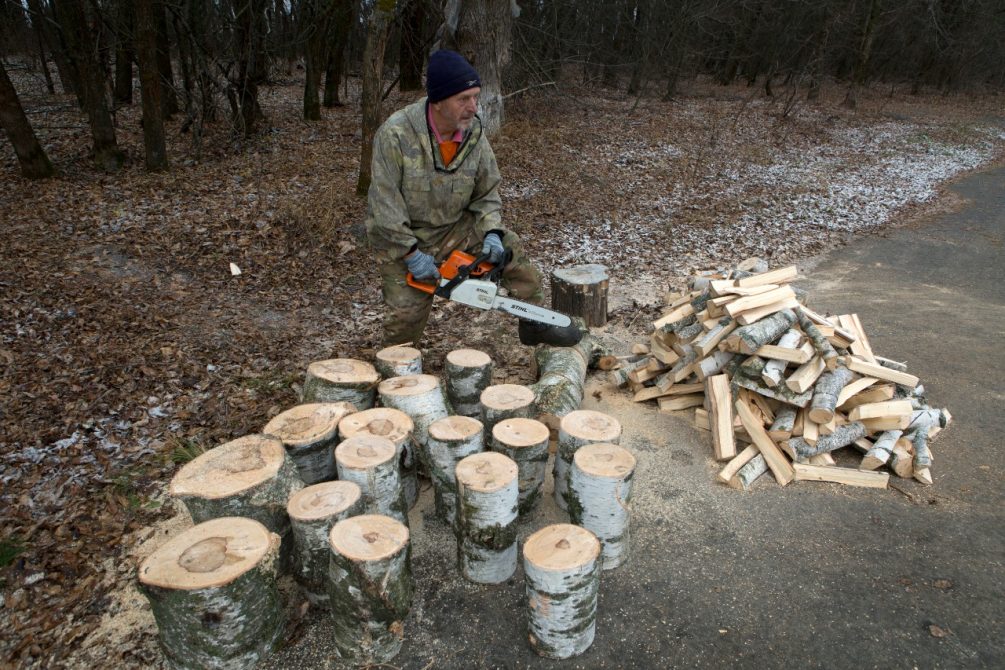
(182, 450)
(10, 549)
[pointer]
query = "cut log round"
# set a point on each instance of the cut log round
(419, 396)
(309, 433)
(372, 463)
(212, 590)
(396, 426)
(577, 429)
(561, 379)
(399, 361)
(341, 380)
(485, 524)
(506, 401)
(581, 291)
(313, 511)
(526, 442)
(451, 439)
(251, 476)
(370, 587)
(468, 373)
(880, 452)
(600, 491)
(562, 568)
(826, 392)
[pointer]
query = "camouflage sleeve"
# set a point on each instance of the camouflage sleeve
(485, 202)
(387, 221)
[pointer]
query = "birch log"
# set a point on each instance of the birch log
(396, 426)
(561, 564)
(398, 361)
(526, 442)
(212, 590)
(879, 454)
(451, 439)
(341, 380)
(784, 423)
(826, 392)
(419, 396)
(372, 463)
(313, 511)
(506, 401)
(600, 492)
(748, 474)
(822, 346)
(561, 379)
(251, 476)
(581, 291)
(841, 437)
(578, 429)
(370, 587)
(774, 369)
(468, 373)
(485, 523)
(748, 339)
(309, 433)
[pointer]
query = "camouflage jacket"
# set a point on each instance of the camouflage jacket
(415, 200)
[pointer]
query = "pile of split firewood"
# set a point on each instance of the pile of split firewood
(763, 369)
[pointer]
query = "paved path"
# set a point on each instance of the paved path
(812, 575)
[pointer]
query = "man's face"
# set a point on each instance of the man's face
(458, 110)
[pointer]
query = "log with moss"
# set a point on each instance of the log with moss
(576, 430)
(212, 590)
(485, 523)
(526, 442)
(396, 426)
(313, 511)
(398, 361)
(561, 566)
(599, 497)
(561, 378)
(371, 462)
(309, 433)
(341, 380)
(451, 439)
(370, 588)
(468, 372)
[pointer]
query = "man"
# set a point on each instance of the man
(434, 187)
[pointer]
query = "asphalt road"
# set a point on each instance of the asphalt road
(807, 576)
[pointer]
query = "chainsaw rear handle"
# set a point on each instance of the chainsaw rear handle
(460, 266)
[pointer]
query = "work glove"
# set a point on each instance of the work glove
(422, 266)
(493, 248)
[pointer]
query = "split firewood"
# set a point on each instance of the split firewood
(776, 460)
(748, 339)
(861, 346)
(720, 402)
(827, 392)
(784, 423)
(679, 402)
(854, 388)
(745, 476)
(823, 347)
(708, 342)
(874, 393)
(842, 437)
(879, 454)
(815, 473)
(779, 276)
(727, 473)
(781, 392)
(774, 368)
(653, 392)
(881, 410)
(878, 371)
(714, 364)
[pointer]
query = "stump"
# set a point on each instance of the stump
(313, 511)
(398, 361)
(396, 426)
(341, 380)
(581, 291)
(526, 442)
(310, 433)
(369, 587)
(421, 397)
(450, 440)
(372, 463)
(251, 476)
(468, 373)
(600, 490)
(577, 429)
(561, 564)
(485, 524)
(212, 590)
(505, 401)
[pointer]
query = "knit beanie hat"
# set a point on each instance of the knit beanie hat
(448, 74)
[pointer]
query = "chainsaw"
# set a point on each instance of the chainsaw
(475, 282)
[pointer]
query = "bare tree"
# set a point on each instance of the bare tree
(30, 154)
(154, 144)
(378, 31)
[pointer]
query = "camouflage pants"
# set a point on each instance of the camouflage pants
(408, 308)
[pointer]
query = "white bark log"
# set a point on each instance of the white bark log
(748, 474)
(396, 426)
(774, 369)
(599, 499)
(451, 439)
(879, 454)
(506, 401)
(825, 394)
(398, 361)
(485, 524)
(421, 397)
(561, 378)
(841, 437)
(372, 463)
(526, 442)
(341, 380)
(578, 429)
(309, 433)
(468, 373)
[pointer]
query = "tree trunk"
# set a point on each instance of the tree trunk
(341, 380)
(251, 64)
(862, 56)
(154, 142)
(600, 490)
(372, 463)
(40, 44)
(411, 55)
(581, 291)
(505, 401)
(313, 31)
(468, 372)
(44, 21)
(578, 429)
(30, 154)
(310, 433)
(526, 442)
(486, 517)
(125, 53)
(213, 594)
(451, 439)
(396, 426)
(338, 37)
(378, 31)
(562, 378)
(169, 98)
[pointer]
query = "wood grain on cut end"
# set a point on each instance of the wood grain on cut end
(393, 424)
(468, 358)
(486, 472)
(507, 396)
(561, 546)
(309, 423)
(604, 460)
(369, 537)
(343, 370)
(590, 425)
(454, 428)
(408, 385)
(323, 500)
(520, 432)
(364, 451)
(230, 468)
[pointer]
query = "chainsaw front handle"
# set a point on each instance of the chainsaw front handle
(458, 267)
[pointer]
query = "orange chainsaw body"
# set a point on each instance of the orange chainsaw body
(449, 269)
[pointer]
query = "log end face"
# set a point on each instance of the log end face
(519, 432)
(408, 385)
(606, 460)
(392, 424)
(486, 472)
(324, 500)
(468, 358)
(343, 371)
(369, 537)
(561, 547)
(591, 425)
(308, 423)
(455, 428)
(507, 396)
(230, 468)
(364, 451)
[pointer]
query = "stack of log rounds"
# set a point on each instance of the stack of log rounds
(577, 429)
(581, 291)
(396, 426)
(599, 496)
(213, 593)
(485, 524)
(468, 373)
(505, 401)
(526, 442)
(398, 361)
(561, 564)
(313, 511)
(341, 380)
(372, 463)
(419, 396)
(251, 476)
(309, 433)
(369, 587)
(450, 440)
